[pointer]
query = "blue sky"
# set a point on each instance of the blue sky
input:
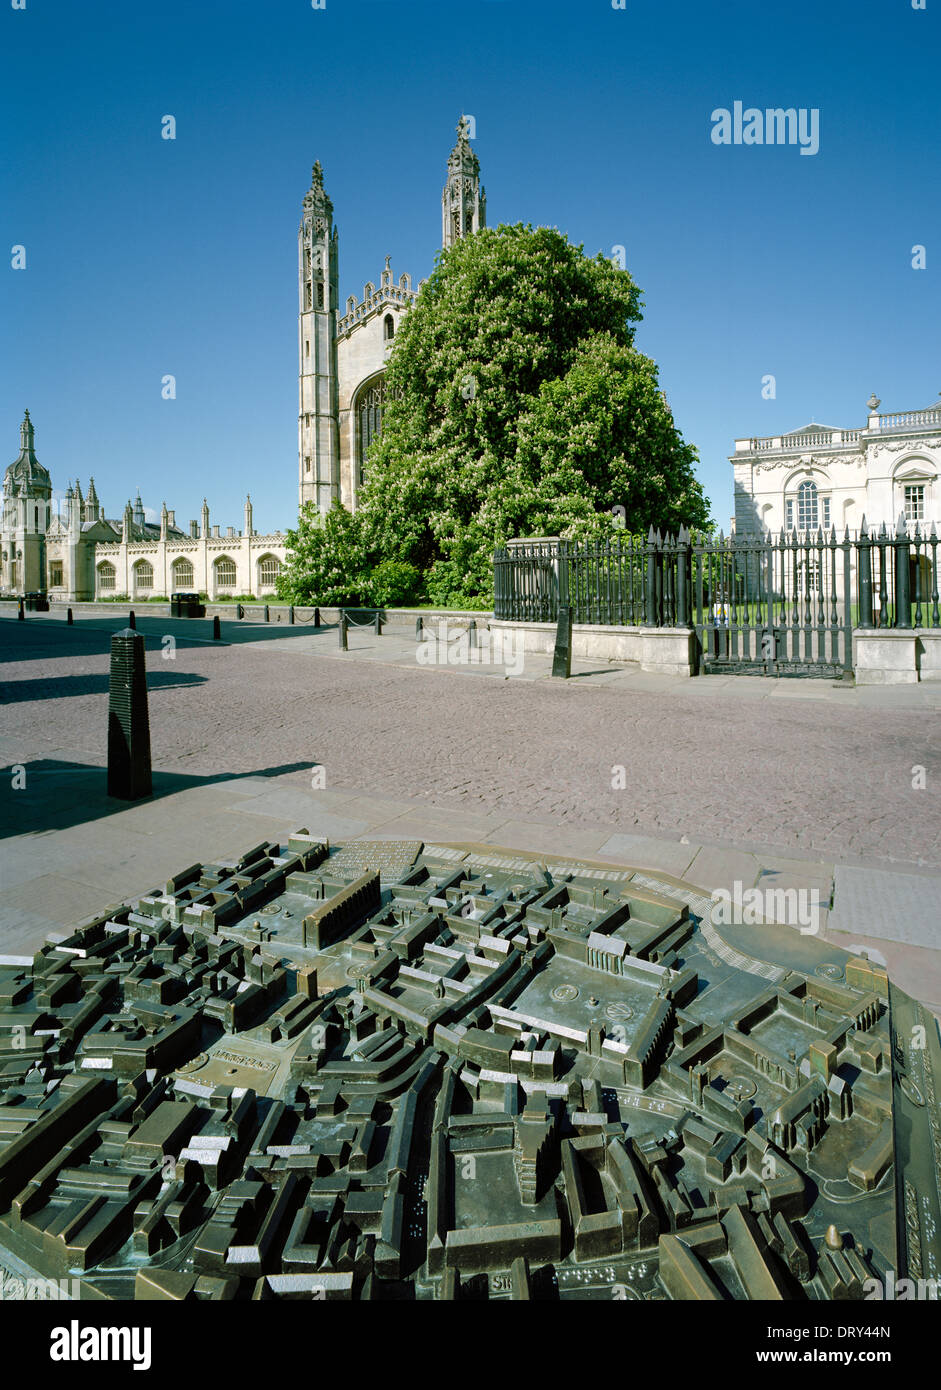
(146, 257)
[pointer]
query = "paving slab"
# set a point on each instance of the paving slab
(888, 906)
(645, 852)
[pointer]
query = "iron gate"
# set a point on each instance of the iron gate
(774, 607)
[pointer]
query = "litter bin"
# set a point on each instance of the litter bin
(186, 606)
(36, 603)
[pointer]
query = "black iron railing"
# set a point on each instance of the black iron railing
(806, 583)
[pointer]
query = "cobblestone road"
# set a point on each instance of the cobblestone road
(799, 775)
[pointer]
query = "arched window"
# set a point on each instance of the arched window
(389, 327)
(225, 573)
(368, 420)
(144, 574)
(183, 576)
(807, 506)
(268, 569)
(105, 575)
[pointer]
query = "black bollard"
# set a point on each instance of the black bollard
(21, 612)
(343, 632)
(562, 656)
(68, 617)
(316, 617)
(472, 633)
(132, 621)
(419, 630)
(239, 611)
(267, 614)
(216, 629)
(129, 776)
(377, 624)
(291, 615)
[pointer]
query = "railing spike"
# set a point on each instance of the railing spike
(862, 528)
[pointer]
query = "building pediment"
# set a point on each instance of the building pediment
(916, 469)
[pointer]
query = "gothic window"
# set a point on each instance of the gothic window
(225, 573)
(105, 575)
(55, 574)
(320, 294)
(368, 421)
(307, 463)
(183, 576)
(470, 222)
(144, 574)
(456, 223)
(389, 327)
(268, 568)
(807, 506)
(307, 296)
(306, 347)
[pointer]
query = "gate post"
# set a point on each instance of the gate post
(903, 594)
(864, 577)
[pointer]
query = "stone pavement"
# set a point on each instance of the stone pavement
(725, 781)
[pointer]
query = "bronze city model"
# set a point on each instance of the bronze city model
(395, 1070)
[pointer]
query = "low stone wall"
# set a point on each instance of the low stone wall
(889, 656)
(670, 650)
(254, 612)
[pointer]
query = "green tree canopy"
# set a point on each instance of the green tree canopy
(516, 405)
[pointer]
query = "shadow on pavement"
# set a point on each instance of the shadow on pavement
(57, 794)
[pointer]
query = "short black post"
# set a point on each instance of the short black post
(343, 631)
(216, 629)
(132, 621)
(903, 587)
(562, 655)
(419, 631)
(864, 553)
(291, 615)
(21, 611)
(316, 617)
(239, 611)
(472, 634)
(377, 623)
(129, 776)
(267, 614)
(68, 618)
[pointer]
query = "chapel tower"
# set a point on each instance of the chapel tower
(318, 442)
(27, 494)
(463, 201)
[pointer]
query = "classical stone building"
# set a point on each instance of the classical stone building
(824, 476)
(342, 357)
